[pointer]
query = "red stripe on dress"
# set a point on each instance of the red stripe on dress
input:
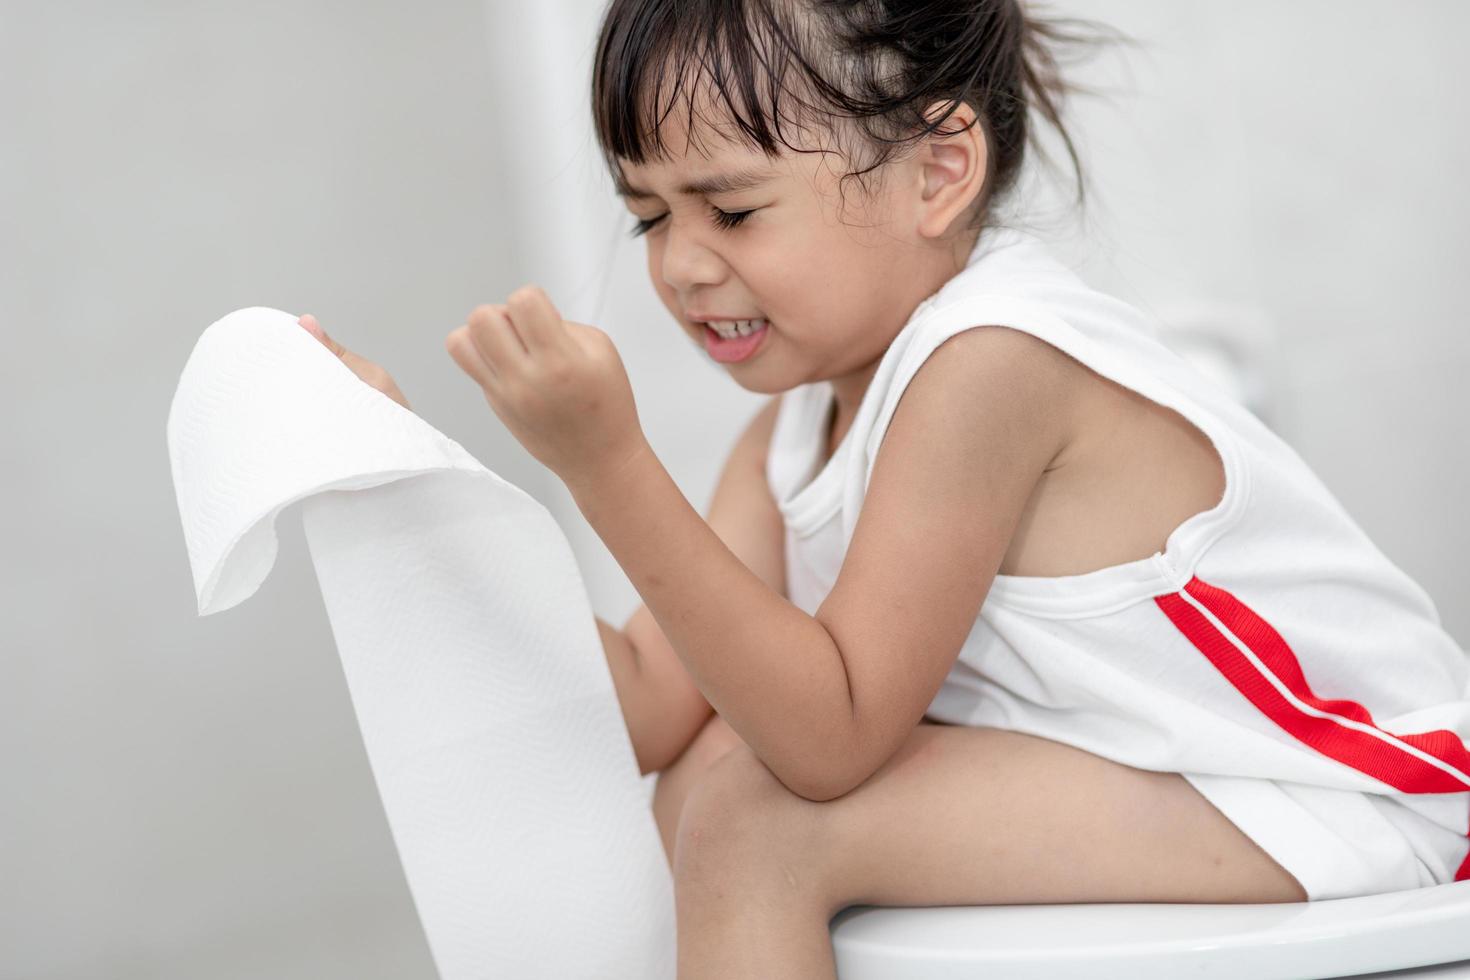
(1385, 759)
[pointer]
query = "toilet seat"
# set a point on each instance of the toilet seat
(1145, 941)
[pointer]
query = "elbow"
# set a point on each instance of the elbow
(850, 761)
(844, 764)
(841, 762)
(827, 786)
(829, 778)
(813, 785)
(824, 792)
(817, 790)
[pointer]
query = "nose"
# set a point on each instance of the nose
(687, 262)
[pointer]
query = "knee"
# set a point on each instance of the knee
(738, 814)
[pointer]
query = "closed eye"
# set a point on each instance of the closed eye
(723, 219)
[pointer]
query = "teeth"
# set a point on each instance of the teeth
(730, 329)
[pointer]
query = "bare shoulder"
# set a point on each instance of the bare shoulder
(1007, 352)
(985, 369)
(1008, 404)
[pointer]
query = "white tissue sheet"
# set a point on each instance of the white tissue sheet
(469, 647)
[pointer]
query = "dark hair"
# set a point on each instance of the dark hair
(875, 64)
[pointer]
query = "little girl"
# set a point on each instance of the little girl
(998, 600)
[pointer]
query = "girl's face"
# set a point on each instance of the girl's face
(736, 235)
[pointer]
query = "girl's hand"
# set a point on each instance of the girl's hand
(558, 386)
(361, 366)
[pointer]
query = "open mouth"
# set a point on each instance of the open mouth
(732, 345)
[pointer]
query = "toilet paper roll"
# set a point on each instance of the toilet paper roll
(468, 644)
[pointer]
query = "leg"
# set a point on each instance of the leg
(958, 816)
(674, 783)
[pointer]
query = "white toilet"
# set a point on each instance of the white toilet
(1420, 933)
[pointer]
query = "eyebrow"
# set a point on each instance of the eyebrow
(716, 184)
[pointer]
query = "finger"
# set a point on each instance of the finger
(315, 329)
(537, 320)
(495, 337)
(462, 348)
(369, 371)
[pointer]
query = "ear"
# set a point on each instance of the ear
(951, 165)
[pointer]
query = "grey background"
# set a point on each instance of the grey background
(187, 797)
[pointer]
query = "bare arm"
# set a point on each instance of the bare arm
(662, 706)
(822, 699)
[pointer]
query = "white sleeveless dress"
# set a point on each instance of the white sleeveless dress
(1271, 653)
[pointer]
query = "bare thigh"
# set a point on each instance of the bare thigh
(963, 815)
(966, 815)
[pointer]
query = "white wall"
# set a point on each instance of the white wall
(188, 797)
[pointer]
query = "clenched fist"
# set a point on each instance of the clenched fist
(559, 386)
(365, 369)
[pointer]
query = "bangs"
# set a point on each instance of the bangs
(727, 56)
